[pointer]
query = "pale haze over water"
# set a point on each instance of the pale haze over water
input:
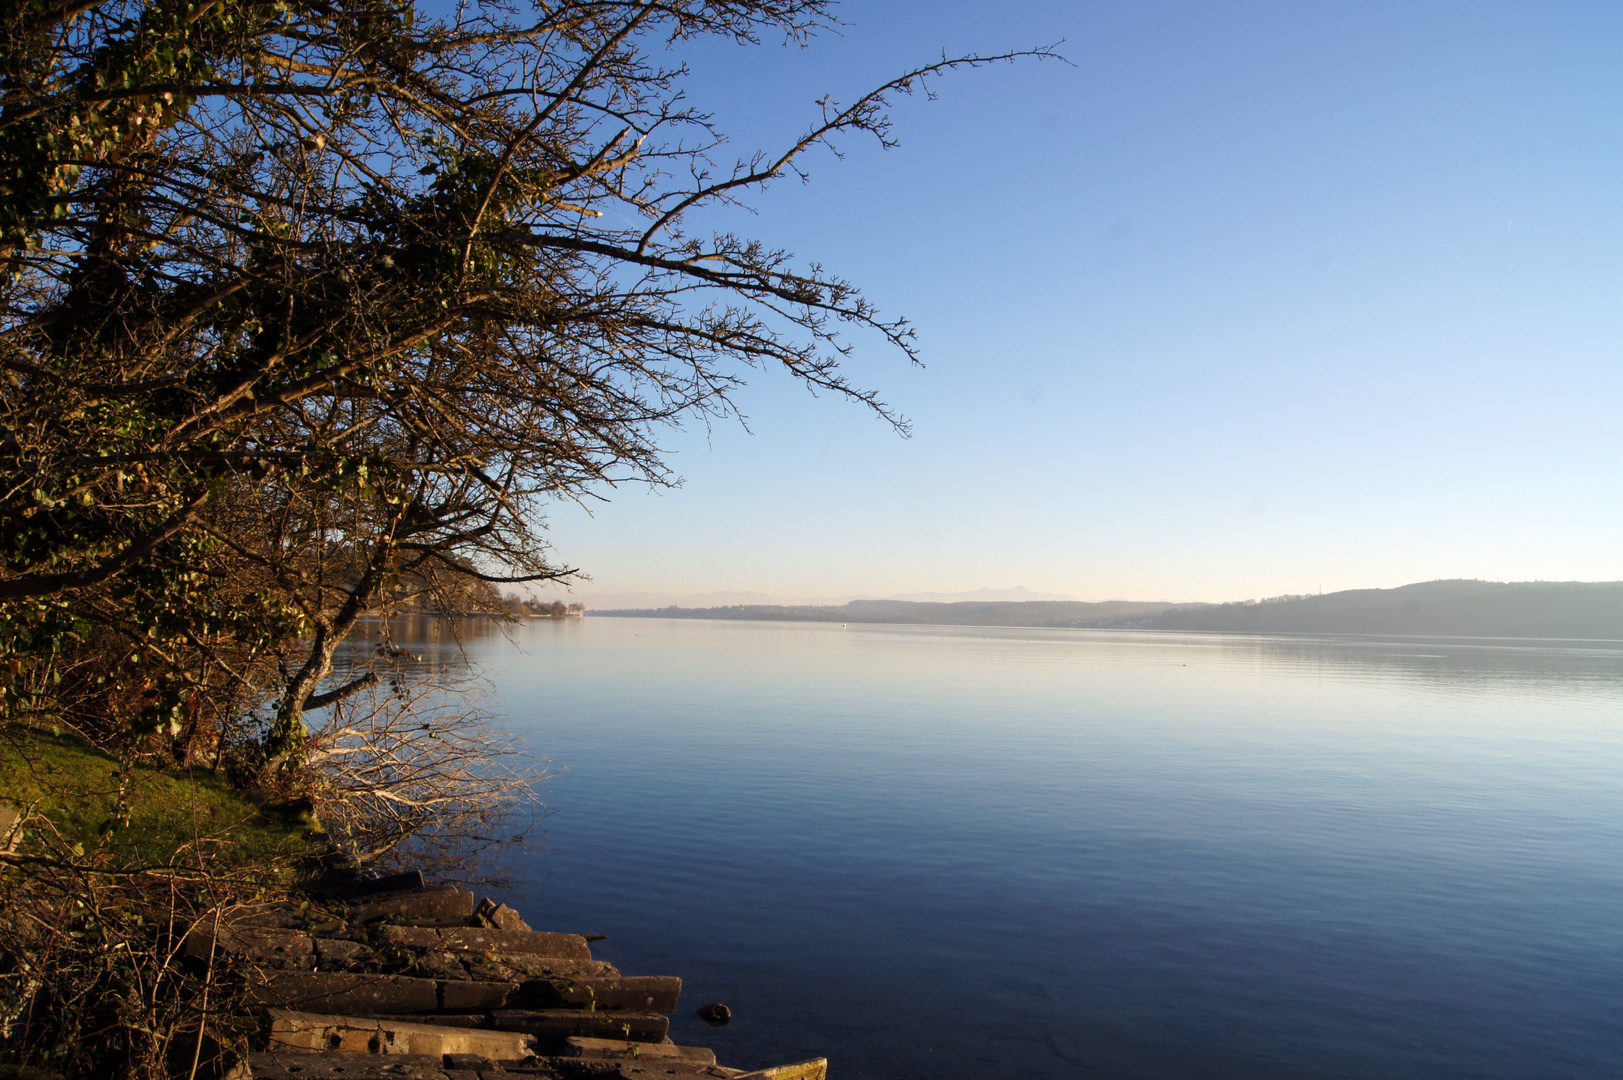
(946, 852)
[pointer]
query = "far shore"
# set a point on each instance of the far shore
(1558, 611)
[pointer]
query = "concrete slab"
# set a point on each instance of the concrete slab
(637, 993)
(580, 1046)
(561, 1024)
(364, 1035)
(347, 993)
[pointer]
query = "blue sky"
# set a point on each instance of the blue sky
(1252, 299)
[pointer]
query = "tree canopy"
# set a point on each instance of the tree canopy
(310, 307)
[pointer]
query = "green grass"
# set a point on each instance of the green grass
(173, 815)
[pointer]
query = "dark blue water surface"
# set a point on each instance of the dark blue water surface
(990, 853)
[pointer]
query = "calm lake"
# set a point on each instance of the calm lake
(1001, 853)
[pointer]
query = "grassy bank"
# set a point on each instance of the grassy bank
(80, 802)
(119, 862)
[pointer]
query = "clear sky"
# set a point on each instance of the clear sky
(1254, 299)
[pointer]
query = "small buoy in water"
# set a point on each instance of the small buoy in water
(716, 1015)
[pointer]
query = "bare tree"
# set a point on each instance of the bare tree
(311, 308)
(417, 758)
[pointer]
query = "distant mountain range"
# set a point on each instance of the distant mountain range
(1532, 609)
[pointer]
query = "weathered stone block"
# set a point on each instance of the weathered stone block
(667, 1069)
(278, 916)
(476, 995)
(437, 902)
(560, 1024)
(467, 1020)
(269, 945)
(503, 917)
(347, 992)
(443, 965)
(418, 937)
(305, 1065)
(446, 923)
(261, 946)
(638, 993)
(365, 1035)
(405, 881)
(519, 966)
(580, 1046)
(501, 942)
(339, 951)
(664, 1069)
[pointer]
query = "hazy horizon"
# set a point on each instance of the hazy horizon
(730, 598)
(1254, 299)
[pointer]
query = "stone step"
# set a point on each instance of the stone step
(657, 1069)
(500, 916)
(561, 1024)
(486, 940)
(637, 993)
(259, 945)
(517, 967)
(582, 1047)
(476, 994)
(309, 1065)
(554, 1025)
(336, 952)
(433, 902)
(405, 881)
(465, 1020)
(451, 923)
(347, 993)
(290, 1030)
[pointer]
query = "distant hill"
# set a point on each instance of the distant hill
(1531, 609)
(1534, 609)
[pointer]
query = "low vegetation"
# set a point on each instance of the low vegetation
(113, 863)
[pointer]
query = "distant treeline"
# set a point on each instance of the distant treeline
(536, 609)
(967, 613)
(1535, 609)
